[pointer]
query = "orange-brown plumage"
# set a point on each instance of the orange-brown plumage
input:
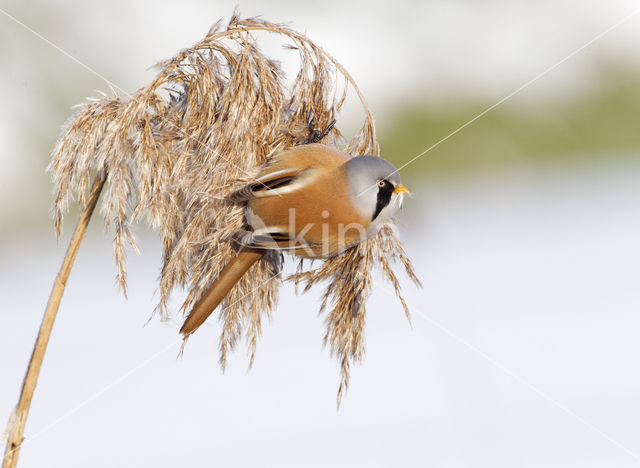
(319, 205)
(307, 202)
(228, 277)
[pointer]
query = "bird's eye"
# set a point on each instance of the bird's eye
(382, 183)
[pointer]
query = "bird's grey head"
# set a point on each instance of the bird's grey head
(376, 188)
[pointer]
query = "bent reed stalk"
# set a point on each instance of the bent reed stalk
(18, 420)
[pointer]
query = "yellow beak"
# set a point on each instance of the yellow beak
(401, 189)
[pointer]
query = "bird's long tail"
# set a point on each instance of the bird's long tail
(228, 277)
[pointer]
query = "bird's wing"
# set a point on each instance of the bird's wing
(291, 170)
(269, 184)
(270, 240)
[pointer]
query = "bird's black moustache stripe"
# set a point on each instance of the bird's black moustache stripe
(384, 197)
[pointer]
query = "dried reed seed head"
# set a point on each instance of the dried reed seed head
(176, 148)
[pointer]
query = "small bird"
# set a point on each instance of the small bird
(312, 201)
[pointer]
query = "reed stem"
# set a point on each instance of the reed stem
(18, 420)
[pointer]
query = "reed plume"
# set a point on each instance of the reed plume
(173, 151)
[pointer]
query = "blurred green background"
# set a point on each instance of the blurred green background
(603, 123)
(425, 74)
